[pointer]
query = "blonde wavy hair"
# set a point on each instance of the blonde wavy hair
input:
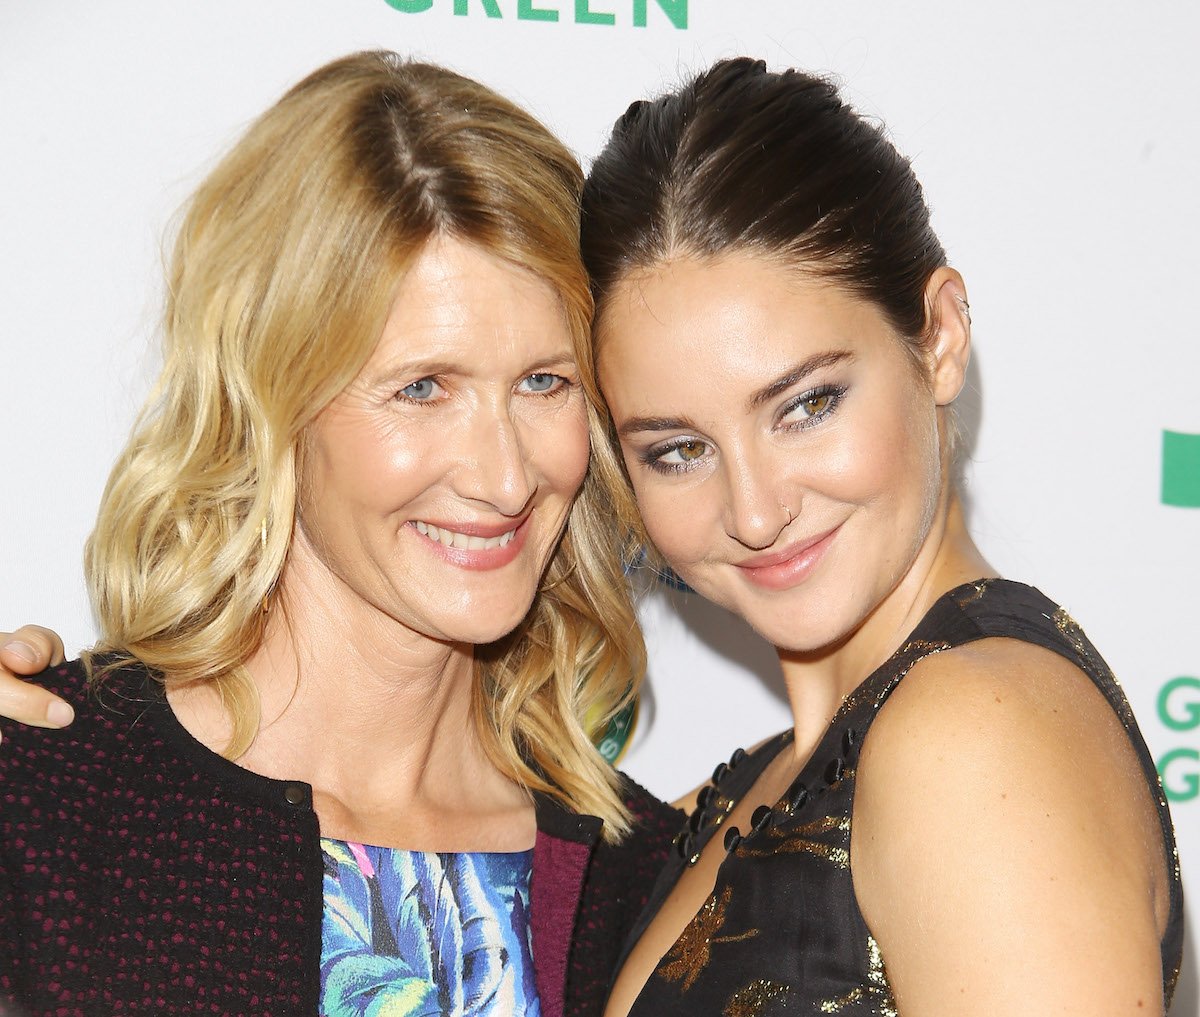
(282, 275)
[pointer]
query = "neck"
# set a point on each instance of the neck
(818, 681)
(376, 717)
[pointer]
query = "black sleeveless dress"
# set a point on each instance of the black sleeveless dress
(782, 933)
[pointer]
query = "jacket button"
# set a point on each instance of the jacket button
(294, 794)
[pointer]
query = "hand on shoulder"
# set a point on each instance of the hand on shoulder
(28, 651)
(1006, 851)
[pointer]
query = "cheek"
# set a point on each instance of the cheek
(562, 451)
(889, 455)
(895, 473)
(354, 470)
(677, 519)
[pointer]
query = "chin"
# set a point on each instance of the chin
(481, 624)
(800, 626)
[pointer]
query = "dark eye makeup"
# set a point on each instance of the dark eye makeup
(813, 406)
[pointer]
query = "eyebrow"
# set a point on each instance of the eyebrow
(797, 373)
(765, 394)
(432, 368)
(636, 424)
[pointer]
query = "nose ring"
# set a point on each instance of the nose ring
(790, 517)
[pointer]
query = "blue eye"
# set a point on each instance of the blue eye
(420, 390)
(543, 384)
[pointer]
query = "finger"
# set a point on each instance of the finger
(29, 704)
(30, 649)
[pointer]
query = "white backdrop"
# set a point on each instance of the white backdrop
(1060, 150)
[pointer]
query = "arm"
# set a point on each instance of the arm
(27, 651)
(1006, 852)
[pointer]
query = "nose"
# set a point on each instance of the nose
(757, 508)
(493, 465)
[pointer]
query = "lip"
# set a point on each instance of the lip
(479, 559)
(783, 569)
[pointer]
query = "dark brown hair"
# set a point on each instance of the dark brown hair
(741, 159)
(744, 159)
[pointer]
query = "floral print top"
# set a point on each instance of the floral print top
(424, 934)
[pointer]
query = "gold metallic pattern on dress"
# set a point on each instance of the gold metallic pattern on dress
(972, 592)
(692, 951)
(753, 999)
(840, 1004)
(916, 650)
(722, 806)
(802, 839)
(1091, 662)
(880, 988)
(878, 991)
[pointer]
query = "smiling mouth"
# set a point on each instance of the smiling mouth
(464, 541)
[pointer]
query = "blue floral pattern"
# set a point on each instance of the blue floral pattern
(419, 934)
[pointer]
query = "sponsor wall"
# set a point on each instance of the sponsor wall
(1058, 147)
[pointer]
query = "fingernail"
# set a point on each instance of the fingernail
(59, 714)
(22, 650)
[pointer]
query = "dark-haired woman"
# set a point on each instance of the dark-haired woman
(963, 818)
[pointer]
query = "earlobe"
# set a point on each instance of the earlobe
(950, 347)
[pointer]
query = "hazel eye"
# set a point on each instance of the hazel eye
(812, 407)
(676, 457)
(817, 404)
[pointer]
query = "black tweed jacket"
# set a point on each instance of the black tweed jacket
(141, 873)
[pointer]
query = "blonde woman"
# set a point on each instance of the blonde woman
(328, 755)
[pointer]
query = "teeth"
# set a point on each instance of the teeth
(449, 538)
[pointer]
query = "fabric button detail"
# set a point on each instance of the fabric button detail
(295, 794)
(835, 770)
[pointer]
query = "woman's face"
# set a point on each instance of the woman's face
(781, 440)
(438, 483)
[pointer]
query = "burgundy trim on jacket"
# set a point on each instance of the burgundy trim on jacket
(142, 873)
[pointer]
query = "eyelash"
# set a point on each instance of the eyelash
(835, 393)
(562, 386)
(653, 456)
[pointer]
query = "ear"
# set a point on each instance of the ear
(950, 345)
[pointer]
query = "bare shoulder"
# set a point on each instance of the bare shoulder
(1002, 812)
(1009, 706)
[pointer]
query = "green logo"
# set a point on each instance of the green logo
(1180, 772)
(1179, 704)
(1179, 710)
(1181, 469)
(615, 738)
(584, 12)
